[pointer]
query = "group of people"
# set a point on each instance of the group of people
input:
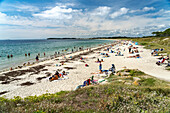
(57, 75)
(155, 51)
(28, 54)
(132, 49)
(162, 60)
(9, 56)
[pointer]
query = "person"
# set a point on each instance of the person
(28, 54)
(161, 61)
(8, 56)
(161, 57)
(37, 58)
(44, 53)
(98, 61)
(167, 58)
(100, 67)
(119, 54)
(25, 54)
(152, 52)
(86, 65)
(11, 55)
(28, 63)
(112, 68)
(130, 49)
(107, 55)
(62, 74)
(55, 76)
(136, 56)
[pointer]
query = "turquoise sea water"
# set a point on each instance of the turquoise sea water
(18, 48)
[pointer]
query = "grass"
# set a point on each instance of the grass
(168, 68)
(152, 95)
(155, 42)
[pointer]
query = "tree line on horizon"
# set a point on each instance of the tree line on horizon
(162, 33)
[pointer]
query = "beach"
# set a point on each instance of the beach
(34, 80)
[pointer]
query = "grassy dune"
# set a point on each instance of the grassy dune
(120, 94)
(155, 42)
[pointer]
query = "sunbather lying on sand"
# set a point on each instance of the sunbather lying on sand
(119, 54)
(98, 60)
(57, 75)
(136, 56)
(161, 61)
(107, 55)
(161, 57)
(167, 58)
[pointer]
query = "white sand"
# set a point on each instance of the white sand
(81, 73)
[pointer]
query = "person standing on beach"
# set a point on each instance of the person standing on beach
(28, 54)
(100, 67)
(130, 49)
(44, 53)
(37, 58)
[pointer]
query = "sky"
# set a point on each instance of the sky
(40, 19)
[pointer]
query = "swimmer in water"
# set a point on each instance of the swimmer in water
(8, 56)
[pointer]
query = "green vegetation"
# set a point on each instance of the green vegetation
(164, 33)
(121, 94)
(155, 43)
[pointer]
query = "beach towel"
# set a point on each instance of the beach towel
(101, 80)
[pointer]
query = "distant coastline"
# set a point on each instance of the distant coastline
(60, 38)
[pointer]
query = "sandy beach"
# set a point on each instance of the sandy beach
(33, 80)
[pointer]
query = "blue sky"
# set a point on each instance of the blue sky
(36, 19)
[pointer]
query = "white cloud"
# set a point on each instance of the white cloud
(2, 15)
(58, 12)
(101, 11)
(122, 11)
(148, 8)
(63, 21)
(145, 9)
(26, 8)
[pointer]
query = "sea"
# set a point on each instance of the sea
(18, 48)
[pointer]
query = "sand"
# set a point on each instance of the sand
(35, 80)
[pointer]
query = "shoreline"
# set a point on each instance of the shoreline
(42, 59)
(36, 76)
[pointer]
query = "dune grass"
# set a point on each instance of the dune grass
(152, 95)
(155, 43)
